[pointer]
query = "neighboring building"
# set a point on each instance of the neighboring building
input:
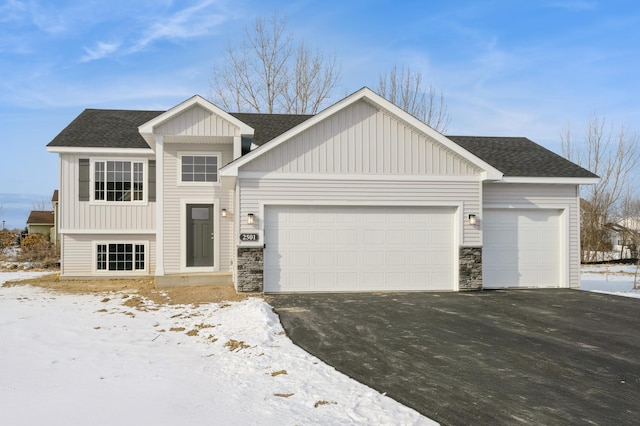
(41, 222)
(54, 229)
(360, 197)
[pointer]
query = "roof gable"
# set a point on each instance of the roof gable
(361, 139)
(378, 102)
(195, 101)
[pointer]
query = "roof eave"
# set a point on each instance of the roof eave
(551, 180)
(97, 150)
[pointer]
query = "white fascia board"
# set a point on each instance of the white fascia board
(147, 128)
(489, 172)
(551, 180)
(97, 150)
(98, 232)
(357, 177)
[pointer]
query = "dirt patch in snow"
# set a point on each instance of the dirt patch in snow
(143, 287)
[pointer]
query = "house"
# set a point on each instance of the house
(359, 197)
(40, 222)
(54, 229)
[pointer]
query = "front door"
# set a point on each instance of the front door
(199, 235)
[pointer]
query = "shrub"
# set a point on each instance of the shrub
(7, 238)
(36, 248)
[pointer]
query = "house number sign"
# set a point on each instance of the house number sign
(249, 237)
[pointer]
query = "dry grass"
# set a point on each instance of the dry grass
(144, 288)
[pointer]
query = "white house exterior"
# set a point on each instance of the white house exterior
(360, 197)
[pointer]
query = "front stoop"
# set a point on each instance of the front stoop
(194, 280)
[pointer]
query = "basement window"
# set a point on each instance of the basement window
(120, 257)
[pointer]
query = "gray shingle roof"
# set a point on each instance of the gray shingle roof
(269, 126)
(514, 156)
(105, 128)
(520, 157)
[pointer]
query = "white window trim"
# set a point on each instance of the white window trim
(134, 271)
(216, 154)
(145, 181)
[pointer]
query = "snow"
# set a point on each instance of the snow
(610, 279)
(79, 359)
(91, 359)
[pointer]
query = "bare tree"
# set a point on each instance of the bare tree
(268, 73)
(612, 154)
(405, 89)
(41, 205)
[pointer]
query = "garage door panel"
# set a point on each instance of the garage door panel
(389, 248)
(521, 248)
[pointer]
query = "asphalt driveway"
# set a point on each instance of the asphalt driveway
(544, 357)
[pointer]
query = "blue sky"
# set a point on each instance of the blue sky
(506, 67)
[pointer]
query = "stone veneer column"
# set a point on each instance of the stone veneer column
(470, 268)
(250, 269)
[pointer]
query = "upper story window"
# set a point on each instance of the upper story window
(118, 181)
(196, 167)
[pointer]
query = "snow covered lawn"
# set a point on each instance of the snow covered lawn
(611, 279)
(117, 359)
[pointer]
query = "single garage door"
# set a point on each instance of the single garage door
(521, 248)
(349, 248)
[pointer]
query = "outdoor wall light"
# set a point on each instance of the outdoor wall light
(250, 218)
(223, 212)
(473, 219)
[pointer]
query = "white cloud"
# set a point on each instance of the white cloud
(12, 10)
(100, 51)
(191, 22)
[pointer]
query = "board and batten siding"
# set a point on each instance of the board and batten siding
(78, 253)
(197, 121)
(82, 216)
(362, 140)
(175, 193)
(255, 193)
(543, 196)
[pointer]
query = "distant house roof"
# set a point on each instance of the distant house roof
(520, 157)
(513, 156)
(54, 198)
(39, 217)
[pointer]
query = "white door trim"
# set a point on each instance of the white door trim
(183, 234)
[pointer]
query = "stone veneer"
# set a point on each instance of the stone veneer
(470, 268)
(250, 269)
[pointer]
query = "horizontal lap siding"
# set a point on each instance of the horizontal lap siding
(362, 140)
(83, 215)
(78, 252)
(328, 192)
(174, 194)
(543, 196)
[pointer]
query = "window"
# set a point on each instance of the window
(199, 168)
(118, 181)
(120, 257)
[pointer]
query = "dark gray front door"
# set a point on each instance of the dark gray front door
(199, 235)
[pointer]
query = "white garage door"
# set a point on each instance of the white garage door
(348, 248)
(521, 248)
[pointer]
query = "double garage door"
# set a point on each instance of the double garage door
(522, 248)
(358, 248)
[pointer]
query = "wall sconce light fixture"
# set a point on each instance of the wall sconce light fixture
(250, 218)
(223, 212)
(473, 219)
